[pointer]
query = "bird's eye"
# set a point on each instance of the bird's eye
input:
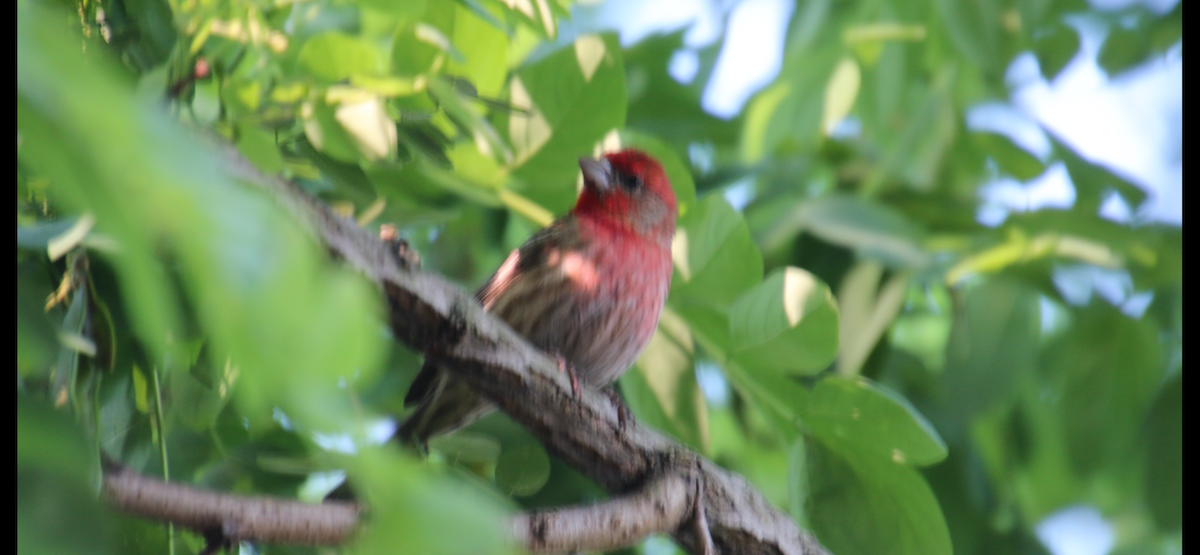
(631, 182)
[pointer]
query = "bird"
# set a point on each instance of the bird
(589, 289)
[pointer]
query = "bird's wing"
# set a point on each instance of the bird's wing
(528, 255)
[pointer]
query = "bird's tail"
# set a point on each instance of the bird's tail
(447, 406)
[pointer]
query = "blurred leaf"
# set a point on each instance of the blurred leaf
(57, 510)
(853, 415)
(485, 138)
(1129, 46)
(715, 258)
(258, 146)
(873, 230)
(37, 340)
(256, 276)
(333, 56)
(798, 483)
(973, 28)
(796, 119)
(326, 133)
(992, 344)
(1019, 249)
(418, 45)
(484, 48)
(466, 447)
(1164, 456)
(523, 470)
(1055, 49)
(423, 512)
(368, 125)
(1013, 159)
(142, 30)
(840, 93)
(575, 95)
(866, 505)
(786, 324)
(408, 8)
(660, 105)
(866, 310)
(1105, 371)
(663, 391)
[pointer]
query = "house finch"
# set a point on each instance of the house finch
(589, 288)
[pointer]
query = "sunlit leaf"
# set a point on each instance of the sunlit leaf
(562, 113)
(662, 389)
(859, 416)
(840, 93)
(715, 259)
(333, 56)
(788, 323)
(863, 505)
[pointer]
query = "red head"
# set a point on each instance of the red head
(628, 190)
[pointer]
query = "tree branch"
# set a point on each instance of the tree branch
(620, 522)
(437, 317)
(234, 517)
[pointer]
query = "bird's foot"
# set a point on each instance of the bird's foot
(565, 366)
(624, 415)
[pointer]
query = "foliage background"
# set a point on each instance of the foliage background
(896, 375)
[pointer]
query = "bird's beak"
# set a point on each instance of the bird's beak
(597, 173)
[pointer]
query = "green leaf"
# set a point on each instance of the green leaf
(786, 324)
(840, 93)
(485, 51)
(144, 31)
(715, 258)
(326, 133)
(662, 388)
(993, 343)
(866, 311)
(1163, 476)
(420, 510)
(419, 44)
(333, 56)
(974, 28)
(565, 104)
(487, 141)
(664, 107)
(37, 340)
(798, 483)
(872, 229)
(857, 416)
(866, 505)
(258, 146)
(408, 8)
(258, 281)
(1123, 49)
(1013, 159)
(57, 476)
(795, 120)
(1055, 49)
(1104, 372)
(523, 470)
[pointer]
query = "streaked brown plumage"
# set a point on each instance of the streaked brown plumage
(589, 288)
